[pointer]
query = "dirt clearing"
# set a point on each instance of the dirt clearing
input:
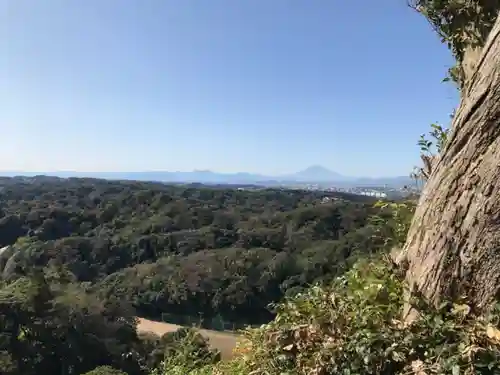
(223, 341)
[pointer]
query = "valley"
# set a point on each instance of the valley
(209, 257)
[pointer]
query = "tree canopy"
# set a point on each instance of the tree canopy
(81, 258)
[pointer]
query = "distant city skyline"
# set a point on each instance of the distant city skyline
(257, 87)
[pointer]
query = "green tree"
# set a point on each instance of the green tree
(63, 330)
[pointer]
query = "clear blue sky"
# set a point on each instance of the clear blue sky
(226, 85)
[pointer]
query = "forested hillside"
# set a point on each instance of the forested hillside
(81, 258)
(189, 252)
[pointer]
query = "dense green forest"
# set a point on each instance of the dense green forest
(81, 258)
(186, 251)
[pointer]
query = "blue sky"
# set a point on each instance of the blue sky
(226, 85)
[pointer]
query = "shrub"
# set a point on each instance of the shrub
(187, 352)
(353, 327)
(393, 222)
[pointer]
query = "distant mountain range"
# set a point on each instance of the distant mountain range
(314, 174)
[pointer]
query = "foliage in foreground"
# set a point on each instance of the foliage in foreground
(461, 24)
(353, 327)
(185, 351)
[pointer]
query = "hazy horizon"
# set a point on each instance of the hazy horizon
(159, 171)
(195, 171)
(257, 87)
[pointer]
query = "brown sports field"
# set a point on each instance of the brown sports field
(224, 341)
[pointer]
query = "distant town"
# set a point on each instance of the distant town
(373, 191)
(395, 191)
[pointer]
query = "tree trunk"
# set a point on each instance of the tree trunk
(453, 246)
